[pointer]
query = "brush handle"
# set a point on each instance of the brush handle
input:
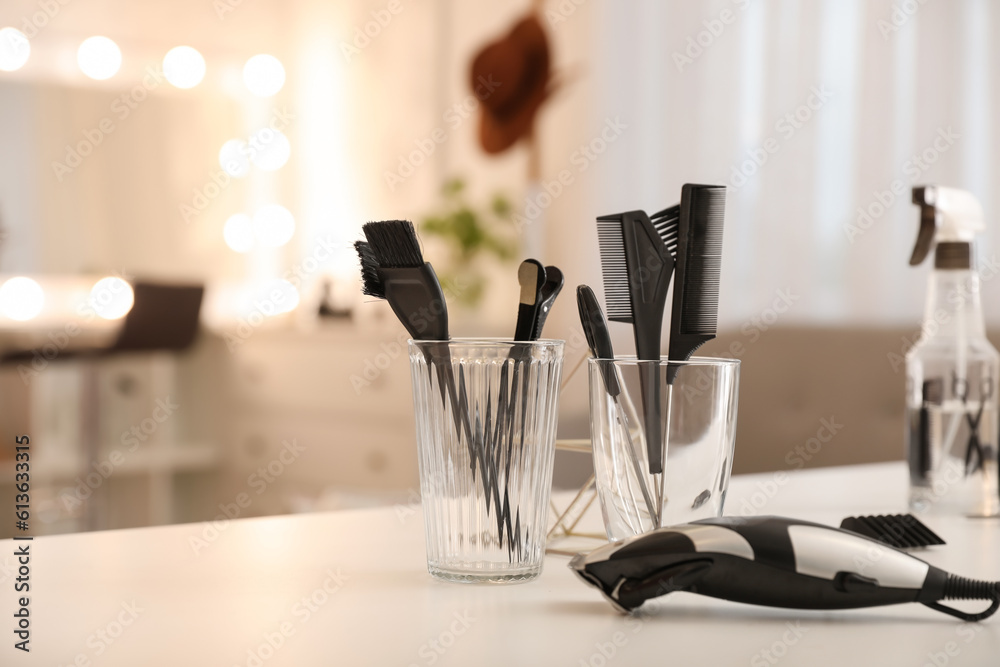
(649, 379)
(415, 295)
(647, 347)
(650, 268)
(595, 330)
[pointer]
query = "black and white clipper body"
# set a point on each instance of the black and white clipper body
(776, 562)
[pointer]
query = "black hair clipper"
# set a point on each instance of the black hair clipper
(775, 562)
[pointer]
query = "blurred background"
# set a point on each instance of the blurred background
(152, 149)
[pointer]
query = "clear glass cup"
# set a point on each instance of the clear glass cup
(697, 412)
(486, 415)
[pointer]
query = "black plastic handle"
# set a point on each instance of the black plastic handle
(595, 329)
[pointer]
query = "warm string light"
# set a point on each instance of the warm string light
(14, 49)
(99, 58)
(21, 299)
(184, 67)
(264, 75)
(271, 227)
(111, 298)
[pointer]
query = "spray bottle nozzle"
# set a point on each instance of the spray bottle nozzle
(947, 215)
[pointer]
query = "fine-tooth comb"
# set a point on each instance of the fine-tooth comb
(695, 309)
(637, 267)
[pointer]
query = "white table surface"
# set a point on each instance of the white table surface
(216, 607)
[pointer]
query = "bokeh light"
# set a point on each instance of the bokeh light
(184, 67)
(99, 58)
(273, 226)
(238, 232)
(264, 75)
(21, 298)
(111, 298)
(14, 49)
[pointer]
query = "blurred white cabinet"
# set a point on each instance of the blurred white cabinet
(341, 394)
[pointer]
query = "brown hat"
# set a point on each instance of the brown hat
(511, 79)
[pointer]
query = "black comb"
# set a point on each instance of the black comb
(695, 311)
(637, 267)
(903, 531)
(667, 225)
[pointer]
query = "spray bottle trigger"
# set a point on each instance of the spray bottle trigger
(924, 198)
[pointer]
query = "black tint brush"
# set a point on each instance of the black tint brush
(410, 285)
(637, 265)
(393, 268)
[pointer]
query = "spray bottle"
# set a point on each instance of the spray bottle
(952, 372)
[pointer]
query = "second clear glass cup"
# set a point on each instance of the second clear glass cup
(697, 412)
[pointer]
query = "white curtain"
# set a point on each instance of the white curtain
(901, 92)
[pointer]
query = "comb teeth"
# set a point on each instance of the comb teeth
(667, 225)
(614, 268)
(394, 243)
(699, 313)
(903, 531)
(371, 283)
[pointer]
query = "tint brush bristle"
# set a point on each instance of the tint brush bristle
(371, 283)
(614, 268)
(394, 243)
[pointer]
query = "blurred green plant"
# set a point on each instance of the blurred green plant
(470, 234)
